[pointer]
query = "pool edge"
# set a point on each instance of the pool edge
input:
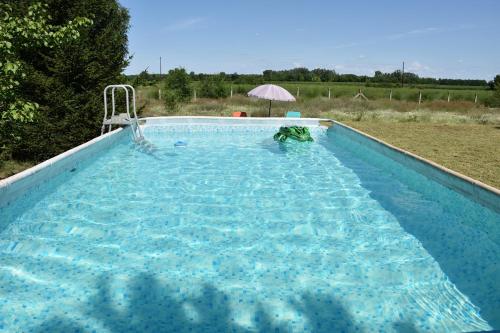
(18, 184)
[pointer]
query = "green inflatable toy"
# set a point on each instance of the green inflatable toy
(293, 132)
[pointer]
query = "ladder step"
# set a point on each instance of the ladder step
(121, 119)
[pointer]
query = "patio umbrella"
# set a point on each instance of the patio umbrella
(271, 92)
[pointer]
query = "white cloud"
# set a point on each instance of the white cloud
(417, 67)
(407, 34)
(415, 32)
(184, 24)
(352, 44)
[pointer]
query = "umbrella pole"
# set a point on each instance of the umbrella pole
(270, 108)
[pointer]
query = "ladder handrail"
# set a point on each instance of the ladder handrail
(125, 87)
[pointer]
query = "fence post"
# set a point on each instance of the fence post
(231, 91)
(159, 94)
(449, 97)
(390, 96)
(194, 94)
(329, 93)
(475, 99)
(298, 91)
(419, 98)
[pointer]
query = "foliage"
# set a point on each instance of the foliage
(178, 80)
(177, 88)
(172, 100)
(22, 34)
(379, 78)
(67, 82)
(496, 82)
(494, 100)
(143, 79)
(302, 74)
(213, 86)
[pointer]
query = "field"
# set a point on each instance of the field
(308, 90)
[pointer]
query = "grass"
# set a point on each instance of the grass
(308, 90)
(410, 94)
(11, 167)
(471, 149)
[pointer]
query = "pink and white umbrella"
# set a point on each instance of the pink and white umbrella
(271, 92)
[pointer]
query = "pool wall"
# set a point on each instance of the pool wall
(475, 190)
(19, 184)
(16, 186)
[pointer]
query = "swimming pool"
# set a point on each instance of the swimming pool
(235, 232)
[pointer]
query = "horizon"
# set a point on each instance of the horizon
(449, 40)
(309, 69)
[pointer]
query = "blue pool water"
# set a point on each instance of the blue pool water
(236, 233)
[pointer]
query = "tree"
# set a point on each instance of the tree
(213, 87)
(177, 88)
(143, 79)
(496, 83)
(67, 82)
(22, 34)
(496, 97)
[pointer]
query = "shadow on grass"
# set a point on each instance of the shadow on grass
(153, 307)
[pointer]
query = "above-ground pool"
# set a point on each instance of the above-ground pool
(233, 232)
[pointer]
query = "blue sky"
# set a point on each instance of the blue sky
(438, 38)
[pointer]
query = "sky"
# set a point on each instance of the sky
(437, 38)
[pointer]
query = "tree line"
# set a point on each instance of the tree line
(303, 74)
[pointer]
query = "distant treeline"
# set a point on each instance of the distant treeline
(319, 75)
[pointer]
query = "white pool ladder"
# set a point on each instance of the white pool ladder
(122, 118)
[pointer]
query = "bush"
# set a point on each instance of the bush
(213, 86)
(494, 100)
(172, 100)
(143, 79)
(177, 88)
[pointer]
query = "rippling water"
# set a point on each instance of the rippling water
(238, 233)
